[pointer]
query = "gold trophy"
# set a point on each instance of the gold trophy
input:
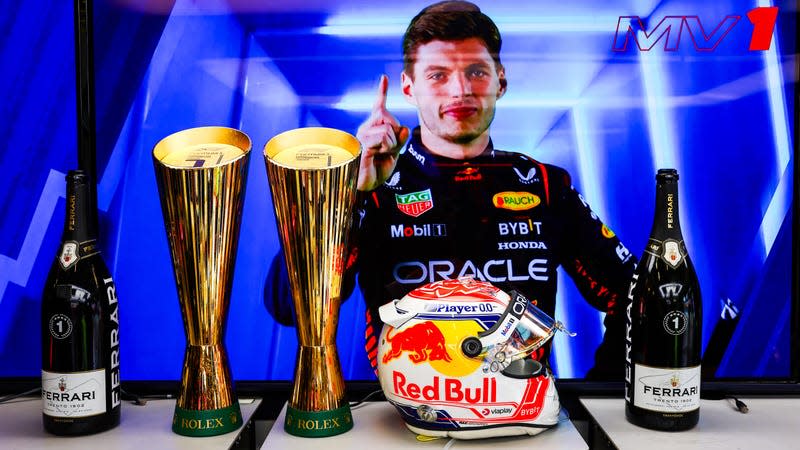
(312, 174)
(201, 174)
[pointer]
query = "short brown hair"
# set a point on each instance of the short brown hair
(450, 20)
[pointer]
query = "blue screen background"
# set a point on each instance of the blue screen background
(724, 118)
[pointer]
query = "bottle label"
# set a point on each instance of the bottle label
(60, 326)
(667, 390)
(113, 337)
(675, 322)
(88, 248)
(671, 251)
(77, 394)
(69, 255)
(72, 252)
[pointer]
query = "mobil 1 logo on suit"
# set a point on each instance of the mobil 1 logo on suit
(418, 230)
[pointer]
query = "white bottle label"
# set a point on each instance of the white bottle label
(74, 395)
(667, 390)
(69, 255)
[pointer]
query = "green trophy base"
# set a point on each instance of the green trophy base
(318, 423)
(204, 423)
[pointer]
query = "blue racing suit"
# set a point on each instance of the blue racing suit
(500, 217)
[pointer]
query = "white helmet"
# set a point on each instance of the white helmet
(453, 359)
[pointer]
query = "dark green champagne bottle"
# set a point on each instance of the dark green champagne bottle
(80, 328)
(662, 362)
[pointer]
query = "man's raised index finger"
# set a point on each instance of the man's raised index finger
(383, 89)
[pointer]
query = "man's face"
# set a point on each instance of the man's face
(455, 86)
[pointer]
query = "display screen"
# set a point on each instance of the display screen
(610, 91)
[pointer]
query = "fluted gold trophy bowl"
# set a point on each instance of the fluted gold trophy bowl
(312, 175)
(201, 175)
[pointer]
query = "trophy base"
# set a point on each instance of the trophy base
(318, 423)
(211, 422)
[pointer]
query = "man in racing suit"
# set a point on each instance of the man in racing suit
(500, 217)
(448, 204)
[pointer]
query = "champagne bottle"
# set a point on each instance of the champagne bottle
(662, 373)
(80, 328)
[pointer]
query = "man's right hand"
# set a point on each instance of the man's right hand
(381, 137)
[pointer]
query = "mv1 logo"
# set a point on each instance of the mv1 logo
(763, 20)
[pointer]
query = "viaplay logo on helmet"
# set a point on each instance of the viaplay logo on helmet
(414, 204)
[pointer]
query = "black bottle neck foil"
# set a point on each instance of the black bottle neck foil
(666, 223)
(77, 226)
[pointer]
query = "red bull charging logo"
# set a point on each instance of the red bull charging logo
(435, 342)
(423, 341)
(438, 342)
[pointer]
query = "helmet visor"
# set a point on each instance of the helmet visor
(533, 329)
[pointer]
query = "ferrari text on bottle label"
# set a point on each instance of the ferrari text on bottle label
(79, 394)
(667, 390)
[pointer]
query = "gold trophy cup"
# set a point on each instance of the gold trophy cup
(201, 174)
(312, 174)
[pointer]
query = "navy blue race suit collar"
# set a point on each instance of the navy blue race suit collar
(420, 154)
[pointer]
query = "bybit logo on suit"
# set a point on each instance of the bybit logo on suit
(519, 228)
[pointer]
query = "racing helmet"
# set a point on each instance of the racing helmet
(454, 359)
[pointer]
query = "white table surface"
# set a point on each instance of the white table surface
(377, 425)
(147, 427)
(771, 423)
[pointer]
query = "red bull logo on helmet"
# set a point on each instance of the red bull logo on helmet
(423, 342)
(435, 342)
(446, 389)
